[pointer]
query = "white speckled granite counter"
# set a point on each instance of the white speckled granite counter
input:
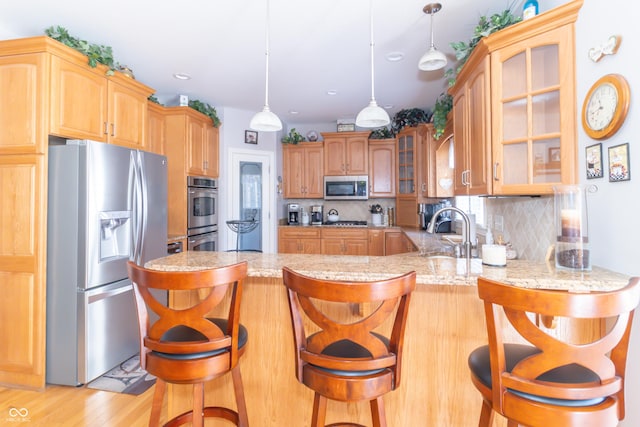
(443, 271)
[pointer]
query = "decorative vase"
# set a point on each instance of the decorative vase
(572, 242)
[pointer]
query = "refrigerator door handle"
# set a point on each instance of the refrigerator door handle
(99, 295)
(137, 203)
(144, 203)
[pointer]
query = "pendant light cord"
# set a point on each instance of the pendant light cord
(371, 44)
(266, 73)
(432, 44)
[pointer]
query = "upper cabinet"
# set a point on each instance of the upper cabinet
(346, 153)
(515, 108)
(156, 131)
(191, 141)
(302, 170)
(22, 113)
(414, 161)
(382, 167)
(471, 127)
(88, 104)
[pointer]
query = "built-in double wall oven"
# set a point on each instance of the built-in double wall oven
(202, 214)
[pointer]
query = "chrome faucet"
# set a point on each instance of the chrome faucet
(467, 227)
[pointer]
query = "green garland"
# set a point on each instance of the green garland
(293, 137)
(205, 109)
(94, 52)
(444, 104)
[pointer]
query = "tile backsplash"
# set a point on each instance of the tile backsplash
(528, 224)
(528, 221)
(352, 210)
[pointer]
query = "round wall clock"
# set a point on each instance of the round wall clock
(605, 106)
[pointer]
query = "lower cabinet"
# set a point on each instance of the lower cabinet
(376, 242)
(396, 242)
(345, 241)
(298, 240)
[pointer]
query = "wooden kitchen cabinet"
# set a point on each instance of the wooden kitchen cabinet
(382, 168)
(346, 153)
(444, 163)
(514, 102)
(345, 241)
(396, 242)
(190, 142)
(23, 253)
(302, 170)
(413, 172)
(376, 242)
(299, 240)
(534, 112)
(23, 87)
(472, 129)
(88, 104)
(156, 133)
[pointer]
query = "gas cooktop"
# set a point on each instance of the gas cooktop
(343, 223)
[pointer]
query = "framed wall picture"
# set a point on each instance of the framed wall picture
(619, 163)
(594, 161)
(250, 137)
(346, 127)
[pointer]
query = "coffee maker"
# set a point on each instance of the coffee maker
(316, 215)
(293, 214)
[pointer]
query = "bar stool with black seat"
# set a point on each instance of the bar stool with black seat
(553, 381)
(185, 345)
(345, 357)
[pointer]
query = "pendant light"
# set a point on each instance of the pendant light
(265, 120)
(372, 116)
(433, 59)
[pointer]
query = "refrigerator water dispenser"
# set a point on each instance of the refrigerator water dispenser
(115, 234)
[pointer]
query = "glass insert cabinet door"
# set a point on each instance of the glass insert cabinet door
(533, 123)
(406, 163)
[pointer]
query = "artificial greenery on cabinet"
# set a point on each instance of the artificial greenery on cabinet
(382, 133)
(293, 137)
(444, 104)
(205, 109)
(94, 52)
(486, 26)
(409, 117)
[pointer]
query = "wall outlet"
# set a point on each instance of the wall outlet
(498, 223)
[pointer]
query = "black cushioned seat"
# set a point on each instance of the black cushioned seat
(479, 363)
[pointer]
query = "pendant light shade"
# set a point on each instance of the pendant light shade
(433, 59)
(372, 116)
(266, 120)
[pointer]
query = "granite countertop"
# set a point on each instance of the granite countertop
(438, 271)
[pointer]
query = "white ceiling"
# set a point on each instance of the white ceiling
(316, 46)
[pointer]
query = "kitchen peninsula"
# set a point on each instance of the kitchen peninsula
(446, 322)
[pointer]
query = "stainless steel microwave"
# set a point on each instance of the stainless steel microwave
(346, 187)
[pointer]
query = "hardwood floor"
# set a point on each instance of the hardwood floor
(60, 406)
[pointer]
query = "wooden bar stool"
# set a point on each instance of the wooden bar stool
(553, 381)
(185, 346)
(342, 358)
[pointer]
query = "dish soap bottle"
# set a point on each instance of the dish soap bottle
(530, 9)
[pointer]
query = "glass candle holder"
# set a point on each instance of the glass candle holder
(572, 242)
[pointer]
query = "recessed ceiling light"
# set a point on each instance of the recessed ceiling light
(182, 76)
(395, 56)
(388, 106)
(332, 92)
(294, 112)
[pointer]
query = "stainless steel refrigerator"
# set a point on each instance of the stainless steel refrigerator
(107, 204)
